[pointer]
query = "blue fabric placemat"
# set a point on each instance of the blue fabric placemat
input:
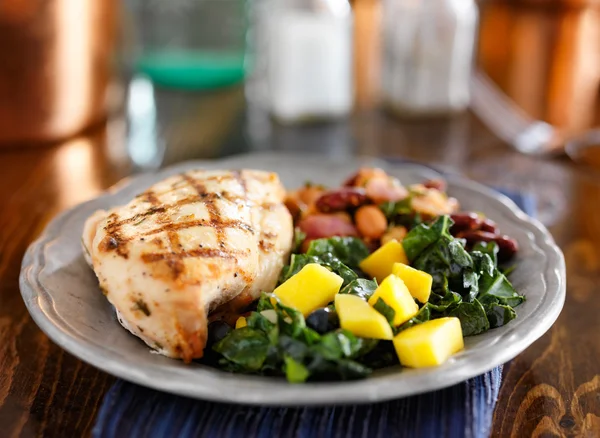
(463, 410)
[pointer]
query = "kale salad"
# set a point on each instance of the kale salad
(381, 275)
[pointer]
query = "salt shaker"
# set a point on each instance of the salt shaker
(428, 55)
(308, 56)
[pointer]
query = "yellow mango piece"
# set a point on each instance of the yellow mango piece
(360, 319)
(429, 344)
(241, 322)
(418, 282)
(381, 262)
(395, 294)
(313, 287)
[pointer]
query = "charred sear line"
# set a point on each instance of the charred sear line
(115, 241)
(218, 224)
(140, 305)
(211, 207)
(151, 197)
(198, 252)
(175, 263)
(265, 245)
(112, 242)
(139, 217)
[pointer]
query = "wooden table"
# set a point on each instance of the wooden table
(552, 389)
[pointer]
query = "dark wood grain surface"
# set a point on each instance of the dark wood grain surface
(552, 389)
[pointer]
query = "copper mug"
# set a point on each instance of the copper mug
(56, 70)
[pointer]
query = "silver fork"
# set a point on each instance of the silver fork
(509, 122)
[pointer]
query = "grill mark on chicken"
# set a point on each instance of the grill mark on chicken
(114, 241)
(237, 174)
(152, 198)
(174, 258)
(156, 210)
(218, 223)
(266, 241)
(265, 245)
(174, 262)
(213, 211)
(221, 223)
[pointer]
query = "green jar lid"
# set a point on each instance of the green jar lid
(193, 70)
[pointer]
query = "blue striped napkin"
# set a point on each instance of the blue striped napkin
(463, 410)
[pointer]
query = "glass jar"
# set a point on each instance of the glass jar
(186, 62)
(304, 59)
(428, 55)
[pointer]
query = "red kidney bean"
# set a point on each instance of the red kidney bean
(317, 226)
(489, 226)
(465, 222)
(507, 246)
(474, 236)
(350, 181)
(342, 199)
(438, 184)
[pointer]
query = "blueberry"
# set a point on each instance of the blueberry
(323, 320)
(217, 330)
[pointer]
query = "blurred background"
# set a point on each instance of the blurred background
(152, 82)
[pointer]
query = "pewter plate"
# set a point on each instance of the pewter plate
(62, 295)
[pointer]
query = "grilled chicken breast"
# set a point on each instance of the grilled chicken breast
(187, 245)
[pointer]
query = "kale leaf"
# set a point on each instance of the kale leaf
(423, 235)
(360, 287)
(467, 285)
(386, 310)
(348, 250)
(298, 261)
(422, 316)
(245, 347)
(290, 348)
(500, 314)
(489, 248)
(392, 209)
(473, 319)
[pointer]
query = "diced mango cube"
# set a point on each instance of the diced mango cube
(395, 294)
(381, 262)
(241, 322)
(313, 287)
(360, 319)
(430, 343)
(418, 282)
